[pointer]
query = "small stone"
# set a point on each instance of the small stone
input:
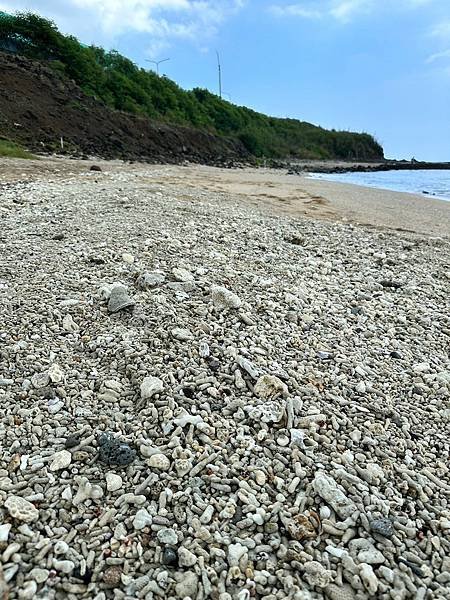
(40, 380)
(167, 536)
(382, 527)
(21, 509)
(159, 461)
(56, 374)
(186, 558)
(128, 258)
(113, 482)
(269, 386)
(188, 586)
(182, 275)
(72, 440)
(4, 532)
(28, 590)
(69, 324)
(61, 460)
(151, 386)
(150, 280)
(39, 575)
(112, 576)
(224, 299)
(64, 566)
(235, 553)
(114, 452)
(316, 574)
(142, 519)
(169, 557)
(183, 335)
(328, 489)
(260, 477)
(95, 168)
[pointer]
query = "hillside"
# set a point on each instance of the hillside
(39, 106)
(116, 82)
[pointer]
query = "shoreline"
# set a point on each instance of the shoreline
(424, 194)
(268, 190)
(299, 167)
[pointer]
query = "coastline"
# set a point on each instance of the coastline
(299, 167)
(269, 190)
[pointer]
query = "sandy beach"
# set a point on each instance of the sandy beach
(269, 190)
(216, 385)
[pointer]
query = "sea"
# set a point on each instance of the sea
(431, 183)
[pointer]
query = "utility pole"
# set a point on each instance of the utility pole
(157, 63)
(220, 74)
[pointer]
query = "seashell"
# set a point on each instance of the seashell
(224, 299)
(151, 386)
(269, 386)
(21, 509)
(119, 298)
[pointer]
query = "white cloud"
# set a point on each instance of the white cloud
(442, 30)
(163, 20)
(295, 10)
(341, 10)
(345, 10)
(438, 56)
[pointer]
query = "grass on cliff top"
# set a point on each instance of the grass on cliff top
(12, 150)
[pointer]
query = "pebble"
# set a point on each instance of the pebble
(159, 461)
(225, 299)
(280, 445)
(113, 482)
(61, 460)
(167, 536)
(151, 386)
(186, 558)
(382, 527)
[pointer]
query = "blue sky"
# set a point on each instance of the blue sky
(381, 66)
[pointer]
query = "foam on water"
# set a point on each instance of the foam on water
(432, 183)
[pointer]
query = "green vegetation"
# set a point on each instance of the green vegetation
(12, 150)
(120, 84)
